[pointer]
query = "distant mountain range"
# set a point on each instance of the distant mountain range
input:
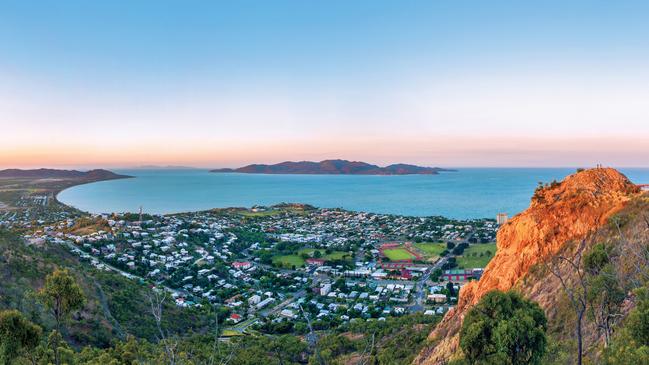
(92, 175)
(334, 167)
(167, 167)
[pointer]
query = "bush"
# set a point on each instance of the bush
(504, 328)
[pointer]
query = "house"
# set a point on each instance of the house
(457, 275)
(264, 303)
(315, 262)
(326, 288)
(287, 313)
(437, 298)
(234, 318)
(406, 274)
(254, 300)
(241, 265)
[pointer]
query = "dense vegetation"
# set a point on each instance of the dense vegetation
(395, 341)
(115, 306)
(504, 328)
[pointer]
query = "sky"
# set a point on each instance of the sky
(221, 84)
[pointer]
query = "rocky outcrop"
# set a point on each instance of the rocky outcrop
(558, 214)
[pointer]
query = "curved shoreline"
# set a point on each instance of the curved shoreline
(55, 193)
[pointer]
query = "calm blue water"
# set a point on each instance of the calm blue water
(467, 193)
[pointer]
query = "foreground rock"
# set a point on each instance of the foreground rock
(559, 214)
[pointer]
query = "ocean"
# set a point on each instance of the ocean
(465, 194)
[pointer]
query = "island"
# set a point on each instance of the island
(334, 167)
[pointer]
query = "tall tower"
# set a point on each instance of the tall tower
(140, 214)
(501, 218)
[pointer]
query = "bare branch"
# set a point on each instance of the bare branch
(156, 300)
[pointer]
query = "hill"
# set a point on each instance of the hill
(334, 167)
(117, 306)
(93, 175)
(567, 219)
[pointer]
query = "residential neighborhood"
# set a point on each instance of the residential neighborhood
(277, 267)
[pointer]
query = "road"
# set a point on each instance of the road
(420, 287)
(276, 309)
(73, 247)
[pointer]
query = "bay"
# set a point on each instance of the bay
(464, 194)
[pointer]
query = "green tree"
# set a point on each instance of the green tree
(450, 288)
(504, 328)
(17, 335)
(63, 296)
(631, 342)
(638, 320)
(605, 294)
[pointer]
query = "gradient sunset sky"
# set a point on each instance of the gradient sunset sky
(216, 84)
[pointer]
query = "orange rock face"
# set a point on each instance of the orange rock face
(559, 213)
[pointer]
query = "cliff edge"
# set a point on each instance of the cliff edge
(558, 214)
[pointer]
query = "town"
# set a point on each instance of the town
(277, 269)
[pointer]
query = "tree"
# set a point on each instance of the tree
(450, 288)
(17, 335)
(504, 328)
(605, 294)
(63, 296)
(638, 320)
(576, 291)
(169, 343)
(436, 274)
(631, 342)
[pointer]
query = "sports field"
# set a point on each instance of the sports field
(289, 261)
(397, 254)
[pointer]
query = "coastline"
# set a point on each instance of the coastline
(55, 193)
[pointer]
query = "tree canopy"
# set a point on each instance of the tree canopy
(62, 295)
(504, 328)
(17, 335)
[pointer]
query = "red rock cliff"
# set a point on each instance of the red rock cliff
(559, 213)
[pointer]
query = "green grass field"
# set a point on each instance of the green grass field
(471, 258)
(288, 261)
(230, 333)
(430, 250)
(395, 254)
(297, 260)
(334, 255)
